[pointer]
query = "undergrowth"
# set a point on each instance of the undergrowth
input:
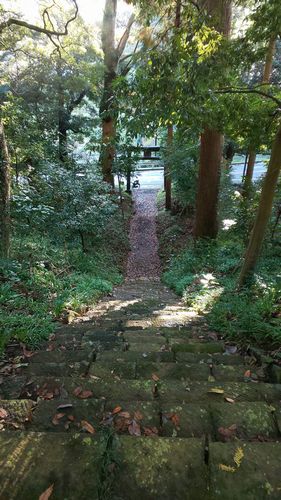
(206, 275)
(47, 281)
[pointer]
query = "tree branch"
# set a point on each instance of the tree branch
(40, 29)
(124, 38)
(249, 91)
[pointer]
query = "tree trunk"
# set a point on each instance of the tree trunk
(167, 170)
(267, 70)
(206, 223)
(264, 211)
(206, 220)
(5, 195)
(108, 150)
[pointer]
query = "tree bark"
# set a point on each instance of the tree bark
(249, 172)
(5, 195)
(206, 219)
(264, 211)
(167, 170)
(206, 223)
(112, 56)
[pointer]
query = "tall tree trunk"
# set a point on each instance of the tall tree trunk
(107, 101)
(264, 211)
(267, 70)
(206, 224)
(206, 219)
(167, 169)
(5, 195)
(112, 56)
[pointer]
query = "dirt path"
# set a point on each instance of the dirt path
(143, 261)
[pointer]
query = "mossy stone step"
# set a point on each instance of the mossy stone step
(90, 410)
(170, 371)
(31, 462)
(62, 356)
(57, 369)
(109, 370)
(253, 420)
(146, 347)
(199, 347)
(146, 413)
(163, 468)
(256, 478)
(185, 420)
(144, 338)
(204, 357)
(225, 373)
(119, 356)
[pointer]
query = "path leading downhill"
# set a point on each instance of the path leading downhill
(143, 261)
(139, 401)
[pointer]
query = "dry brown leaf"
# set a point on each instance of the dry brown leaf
(138, 415)
(228, 432)
(155, 377)
(47, 493)
(150, 431)
(175, 419)
(134, 428)
(71, 418)
(124, 414)
(247, 374)
(77, 391)
(3, 413)
(117, 409)
(57, 417)
(85, 394)
(86, 426)
(26, 353)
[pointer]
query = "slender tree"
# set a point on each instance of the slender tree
(264, 211)
(112, 55)
(265, 79)
(206, 224)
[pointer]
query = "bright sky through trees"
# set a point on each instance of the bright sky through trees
(90, 10)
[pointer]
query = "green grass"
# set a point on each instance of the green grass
(45, 280)
(206, 276)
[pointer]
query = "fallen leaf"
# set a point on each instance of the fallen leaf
(85, 394)
(71, 418)
(228, 432)
(3, 413)
(138, 415)
(57, 417)
(86, 426)
(150, 431)
(238, 456)
(117, 409)
(216, 390)
(155, 377)
(247, 374)
(26, 353)
(226, 468)
(211, 378)
(229, 400)
(51, 347)
(47, 493)
(77, 391)
(124, 414)
(65, 406)
(134, 428)
(175, 419)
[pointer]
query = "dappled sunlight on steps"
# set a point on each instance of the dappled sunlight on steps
(139, 400)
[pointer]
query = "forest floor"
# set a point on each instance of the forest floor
(139, 399)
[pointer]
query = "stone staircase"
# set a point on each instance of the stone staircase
(139, 401)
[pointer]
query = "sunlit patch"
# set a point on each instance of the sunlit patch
(227, 224)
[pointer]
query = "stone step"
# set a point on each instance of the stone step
(144, 390)
(163, 468)
(255, 474)
(62, 356)
(31, 462)
(70, 369)
(215, 358)
(199, 347)
(119, 356)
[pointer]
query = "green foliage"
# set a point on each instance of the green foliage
(45, 281)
